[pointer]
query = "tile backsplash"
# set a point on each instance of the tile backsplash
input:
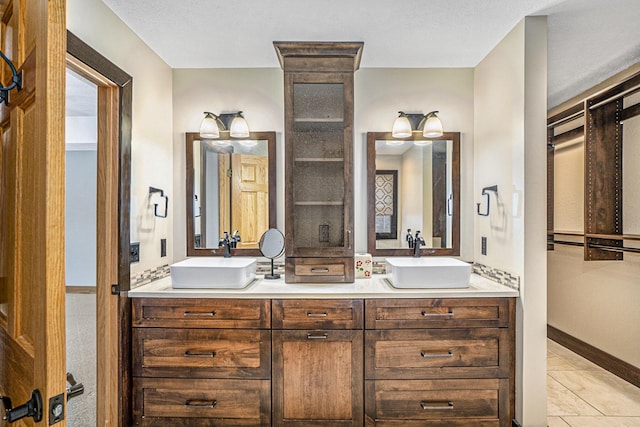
(149, 276)
(500, 276)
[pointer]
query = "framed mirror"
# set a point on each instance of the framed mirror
(231, 185)
(413, 184)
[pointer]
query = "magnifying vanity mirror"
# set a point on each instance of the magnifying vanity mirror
(413, 185)
(230, 187)
(272, 247)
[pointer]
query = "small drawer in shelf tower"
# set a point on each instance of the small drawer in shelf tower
(318, 99)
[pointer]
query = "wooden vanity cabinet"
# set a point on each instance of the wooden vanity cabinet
(317, 362)
(318, 111)
(323, 362)
(440, 362)
(201, 362)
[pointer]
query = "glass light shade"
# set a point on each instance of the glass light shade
(249, 143)
(394, 142)
(239, 127)
(209, 126)
(401, 127)
(433, 126)
(423, 142)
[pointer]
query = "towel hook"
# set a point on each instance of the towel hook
(485, 192)
(153, 190)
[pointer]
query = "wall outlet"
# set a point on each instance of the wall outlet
(163, 247)
(323, 233)
(134, 252)
(483, 250)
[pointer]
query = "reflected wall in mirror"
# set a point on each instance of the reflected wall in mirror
(413, 184)
(230, 186)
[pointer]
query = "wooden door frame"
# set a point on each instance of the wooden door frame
(113, 209)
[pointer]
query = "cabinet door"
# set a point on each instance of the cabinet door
(317, 378)
(319, 164)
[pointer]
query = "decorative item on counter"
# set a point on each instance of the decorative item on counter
(364, 266)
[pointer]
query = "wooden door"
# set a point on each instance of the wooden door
(249, 197)
(32, 280)
(317, 377)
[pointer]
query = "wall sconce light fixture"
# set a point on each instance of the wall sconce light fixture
(212, 124)
(16, 81)
(429, 123)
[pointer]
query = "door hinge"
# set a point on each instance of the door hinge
(115, 289)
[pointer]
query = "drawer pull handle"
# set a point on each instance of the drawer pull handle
(200, 313)
(427, 355)
(309, 314)
(317, 337)
(194, 403)
(319, 270)
(190, 353)
(436, 406)
(426, 314)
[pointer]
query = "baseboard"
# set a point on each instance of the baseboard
(618, 367)
(80, 289)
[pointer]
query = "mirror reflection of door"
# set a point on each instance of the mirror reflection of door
(249, 197)
(231, 191)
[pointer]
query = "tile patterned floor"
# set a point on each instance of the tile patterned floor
(581, 394)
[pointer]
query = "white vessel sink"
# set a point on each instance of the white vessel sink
(213, 272)
(427, 272)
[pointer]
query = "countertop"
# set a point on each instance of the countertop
(376, 287)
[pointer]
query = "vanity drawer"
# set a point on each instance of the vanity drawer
(201, 313)
(437, 353)
(438, 313)
(317, 314)
(202, 353)
(452, 402)
(319, 270)
(200, 402)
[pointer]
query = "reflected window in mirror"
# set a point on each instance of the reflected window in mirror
(413, 186)
(230, 186)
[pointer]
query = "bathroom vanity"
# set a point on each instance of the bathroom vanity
(352, 354)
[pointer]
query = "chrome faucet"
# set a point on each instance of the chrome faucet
(417, 242)
(225, 244)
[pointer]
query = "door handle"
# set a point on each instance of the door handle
(33, 408)
(74, 388)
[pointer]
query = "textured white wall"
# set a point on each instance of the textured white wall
(151, 145)
(379, 95)
(510, 130)
(80, 217)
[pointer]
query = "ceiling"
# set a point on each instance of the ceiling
(588, 39)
